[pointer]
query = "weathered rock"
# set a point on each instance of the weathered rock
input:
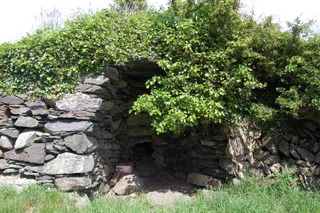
(6, 142)
(198, 179)
(306, 155)
(260, 154)
(272, 147)
(12, 133)
(81, 143)
(27, 122)
(32, 154)
(128, 184)
(100, 80)
(66, 163)
(39, 112)
(79, 102)
(112, 73)
(295, 154)
(36, 105)
(284, 148)
(4, 123)
(227, 165)
(26, 138)
(275, 168)
(138, 120)
(19, 110)
(49, 157)
(3, 164)
(73, 183)
(4, 112)
(11, 100)
(60, 126)
(82, 115)
(215, 182)
(92, 89)
(272, 159)
(1, 154)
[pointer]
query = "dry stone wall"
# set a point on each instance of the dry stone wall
(75, 142)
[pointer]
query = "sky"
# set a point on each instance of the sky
(18, 17)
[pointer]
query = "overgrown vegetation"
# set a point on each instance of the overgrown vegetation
(277, 194)
(221, 66)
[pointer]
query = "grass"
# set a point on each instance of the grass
(277, 194)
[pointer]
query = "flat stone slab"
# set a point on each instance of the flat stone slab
(78, 102)
(32, 154)
(81, 143)
(198, 179)
(28, 122)
(73, 183)
(59, 126)
(11, 100)
(66, 163)
(12, 133)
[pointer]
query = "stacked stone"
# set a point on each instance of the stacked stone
(63, 142)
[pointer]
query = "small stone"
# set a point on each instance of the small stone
(306, 155)
(19, 110)
(92, 89)
(73, 183)
(4, 112)
(128, 184)
(271, 146)
(28, 122)
(26, 138)
(198, 179)
(284, 148)
(295, 154)
(100, 80)
(258, 173)
(272, 159)
(107, 105)
(12, 133)
(227, 165)
(236, 181)
(81, 143)
(6, 142)
(112, 74)
(3, 164)
(261, 154)
(32, 154)
(6, 122)
(10, 171)
(49, 157)
(275, 168)
(215, 182)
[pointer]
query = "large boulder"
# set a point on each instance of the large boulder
(73, 183)
(66, 163)
(78, 102)
(57, 127)
(32, 154)
(81, 143)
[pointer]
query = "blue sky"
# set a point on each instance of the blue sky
(17, 17)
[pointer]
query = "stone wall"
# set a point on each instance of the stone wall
(74, 142)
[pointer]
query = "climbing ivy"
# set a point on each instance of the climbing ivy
(220, 65)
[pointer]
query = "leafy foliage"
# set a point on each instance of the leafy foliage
(220, 65)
